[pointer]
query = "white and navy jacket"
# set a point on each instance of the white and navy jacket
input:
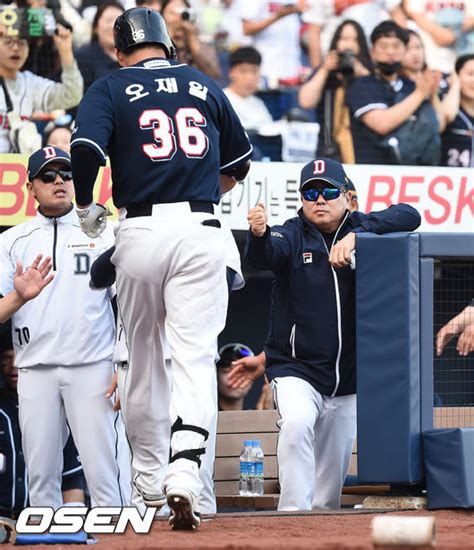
(68, 323)
(29, 93)
(312, 319)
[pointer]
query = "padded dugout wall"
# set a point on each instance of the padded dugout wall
(388, 358)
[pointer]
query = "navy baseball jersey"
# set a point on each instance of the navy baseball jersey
(457, 141)
(157, 110)
(366, 94)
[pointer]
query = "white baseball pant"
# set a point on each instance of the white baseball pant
(48, 395)
(317, 433)
(170, 276)
(207, 498)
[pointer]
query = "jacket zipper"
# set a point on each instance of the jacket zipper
(338, 309)
(55, 238)
(292, 341)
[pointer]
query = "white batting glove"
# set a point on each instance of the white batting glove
(93, 219)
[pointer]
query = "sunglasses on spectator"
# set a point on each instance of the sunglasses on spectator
(10, 42)
(328, 193)
(50, 175)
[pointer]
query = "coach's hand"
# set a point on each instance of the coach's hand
(28, 284)
(245, 370)
(340, 254)
(466, 341)
(93, 219)
(257, 218)
(111, 390)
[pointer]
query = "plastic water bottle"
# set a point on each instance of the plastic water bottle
(257, 464)
(244, 484)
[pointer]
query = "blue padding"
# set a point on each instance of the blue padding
(449, 466)
(388, 359)
(47, 538)
(426, 343)
(459, 245)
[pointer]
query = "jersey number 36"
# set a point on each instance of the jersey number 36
(186, 127)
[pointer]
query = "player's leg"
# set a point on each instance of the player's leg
(96, 431)
(196, 304)
(298, 404)
(335, 435)
(141, 263)
(44, 432)
(207, 498)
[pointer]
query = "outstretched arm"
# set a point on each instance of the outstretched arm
(398, 217)
(459, 324)
(246, 370)
(28, 284)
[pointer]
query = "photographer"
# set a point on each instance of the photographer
(23, 93)
(347, 59)
(180, 21)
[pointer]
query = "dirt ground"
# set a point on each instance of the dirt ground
(341, 531)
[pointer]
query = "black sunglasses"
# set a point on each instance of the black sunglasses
(50, 175)
(328, 193)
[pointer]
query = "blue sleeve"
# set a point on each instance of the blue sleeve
(95, 120)
(103, 270)
(398, 217)
(271, 252)
(363, 96)
(234, 144)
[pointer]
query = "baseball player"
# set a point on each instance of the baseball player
(175, 144)
(310, 351)
(63, 343)
(103, 274)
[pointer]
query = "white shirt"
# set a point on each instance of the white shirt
(68, 323)
(251, 110)
(279, 43)
(438, 57)
(30, 93)
(368, 14)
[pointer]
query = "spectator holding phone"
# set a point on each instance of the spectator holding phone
(23, 93)
(347, 60)
(180, 22)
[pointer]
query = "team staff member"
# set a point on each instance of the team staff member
(310, 351)
(169, 132)
(63, 343)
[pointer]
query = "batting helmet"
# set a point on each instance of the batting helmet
(142, 26)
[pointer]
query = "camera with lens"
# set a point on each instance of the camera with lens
(346, 62)
(188, 14)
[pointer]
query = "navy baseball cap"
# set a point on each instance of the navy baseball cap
(328, 170)
(47, 155)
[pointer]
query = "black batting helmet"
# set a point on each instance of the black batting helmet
(142, 26)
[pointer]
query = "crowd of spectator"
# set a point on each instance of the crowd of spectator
(373, 74)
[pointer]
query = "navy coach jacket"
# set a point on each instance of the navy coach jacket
(312, 319)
